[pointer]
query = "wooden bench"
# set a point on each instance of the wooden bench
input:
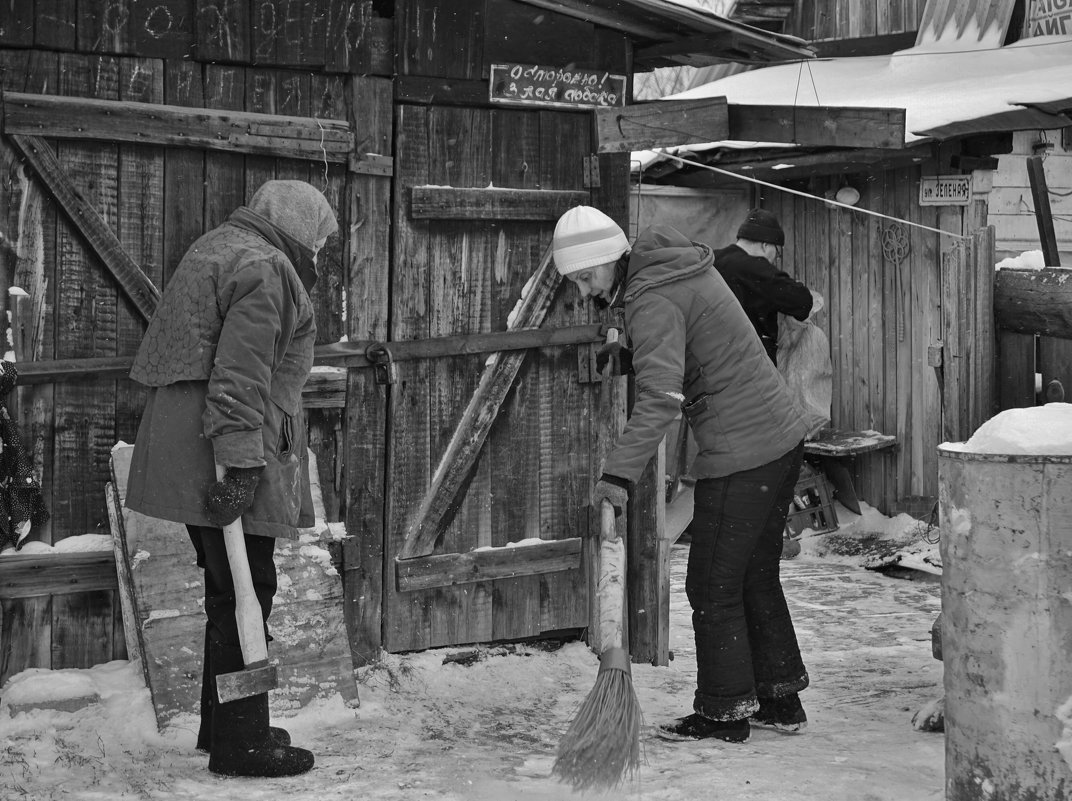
(833, 450)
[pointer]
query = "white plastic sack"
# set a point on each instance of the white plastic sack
(804, 362)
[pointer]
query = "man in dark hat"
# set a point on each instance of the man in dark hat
(750, 268)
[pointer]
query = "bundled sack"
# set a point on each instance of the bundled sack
(804, 362)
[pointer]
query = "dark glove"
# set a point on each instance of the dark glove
(229, 498)
(615, 493)
(617, 355)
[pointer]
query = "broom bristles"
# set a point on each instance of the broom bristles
(602, 744)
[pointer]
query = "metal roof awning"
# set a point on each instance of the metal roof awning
(666, 34)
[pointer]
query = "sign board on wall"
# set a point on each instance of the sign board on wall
(1048, 18)
(945, 190)
(532, 84)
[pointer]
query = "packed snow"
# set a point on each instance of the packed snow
(1042, 430)
(482, 723)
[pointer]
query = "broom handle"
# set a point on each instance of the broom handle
(247, 609)
(611, 586)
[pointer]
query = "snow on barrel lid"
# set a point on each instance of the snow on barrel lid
(1036, 430)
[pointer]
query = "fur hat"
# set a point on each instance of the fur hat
(761, 226)
(585, 237)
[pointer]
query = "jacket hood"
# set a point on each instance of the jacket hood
(293, 216)
(662, 255)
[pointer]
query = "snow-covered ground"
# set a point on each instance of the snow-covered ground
(487, 730)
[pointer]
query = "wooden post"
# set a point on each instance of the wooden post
(1055, 355)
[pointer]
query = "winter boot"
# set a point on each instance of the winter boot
(697, 727)
(785, 714)
(241, 742)
(208, 701)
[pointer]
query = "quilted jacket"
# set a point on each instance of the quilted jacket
(226, 356)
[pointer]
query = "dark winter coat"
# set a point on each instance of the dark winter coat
(692, 342)
(226, 355)
(763, 291)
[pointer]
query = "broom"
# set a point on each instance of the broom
(602, 743)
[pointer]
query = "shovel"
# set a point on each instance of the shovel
(257, 676)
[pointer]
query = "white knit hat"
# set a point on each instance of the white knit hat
(585, 237)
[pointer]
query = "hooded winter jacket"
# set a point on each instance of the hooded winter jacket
(226, 355)
(693, 344)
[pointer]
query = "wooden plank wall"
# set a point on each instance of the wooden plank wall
(322, 35)
(882, 319)
(850, 19)
(157, 202)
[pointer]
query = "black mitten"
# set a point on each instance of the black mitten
(229, 498)
(619, 356)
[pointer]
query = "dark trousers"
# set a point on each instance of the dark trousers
(745, 642)
(219, 588)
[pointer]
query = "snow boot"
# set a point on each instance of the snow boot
(241, 742)
(697, 727)
(208, 702)
(784, 714)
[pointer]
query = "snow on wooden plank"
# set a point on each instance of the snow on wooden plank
(831, 442)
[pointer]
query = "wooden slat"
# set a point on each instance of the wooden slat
(450, 203)
(84, 413)
(446, 42)
(368, 267)
(441, 570)
(563, 403)
(409, 459)
(25, 634)
(139, 288)
(648, 567)
(177, 126)
(27, 575)
(222, 31)
(498, 377)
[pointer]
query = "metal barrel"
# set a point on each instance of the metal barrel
(1006, 545)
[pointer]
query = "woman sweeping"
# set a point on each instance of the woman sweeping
(693, 347)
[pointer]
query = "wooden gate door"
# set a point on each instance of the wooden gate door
(493, 574)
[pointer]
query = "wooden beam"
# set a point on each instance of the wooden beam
(60, 117)
(1040, 195)
(675, 123)
(864, 45)
(449, 203)
(28, 575)
(1034, 301)
(818, 126)
(104, 243)
(349, 354)
(662, 123)
(444, 570)
(500, 370)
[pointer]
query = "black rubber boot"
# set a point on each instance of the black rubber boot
(697, 727)
(208, 702)
(241, 741)
(784, 714)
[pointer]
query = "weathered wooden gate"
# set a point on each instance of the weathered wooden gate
(461, 270)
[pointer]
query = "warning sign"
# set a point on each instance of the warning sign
(945, 190)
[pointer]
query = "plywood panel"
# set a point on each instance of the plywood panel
(309, 643)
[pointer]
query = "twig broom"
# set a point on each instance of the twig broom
(602, 744)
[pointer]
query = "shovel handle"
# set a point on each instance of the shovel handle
(247, 608)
